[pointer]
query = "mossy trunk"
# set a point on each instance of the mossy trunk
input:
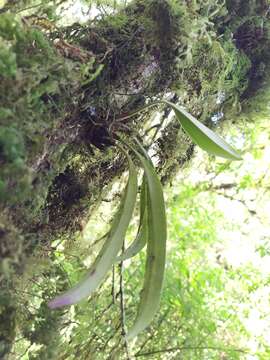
(64, 91)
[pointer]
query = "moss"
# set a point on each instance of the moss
(8, 64)
(12, 159)
(253, 37)
(60, 104)
(11, 257)
(7, 323)
(33, 78)
(247, 7)
(11, 248)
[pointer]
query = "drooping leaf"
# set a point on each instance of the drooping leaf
(202, 135)
(110, 249)
(141, 238)
(156, 250)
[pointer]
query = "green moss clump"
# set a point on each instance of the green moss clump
(8, 64)
(11, 248)
(7, 323)
(12, 159)
(32, 77)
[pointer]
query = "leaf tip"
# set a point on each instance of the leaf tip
(59, 302)
(234, 156)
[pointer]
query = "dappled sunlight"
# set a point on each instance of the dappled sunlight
(241, 249)
(75, 11)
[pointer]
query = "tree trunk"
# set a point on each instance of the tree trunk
(63, 92)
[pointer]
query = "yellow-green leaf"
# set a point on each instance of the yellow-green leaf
(110, 249)
(141, 238)
(202, 135)
(156, 250)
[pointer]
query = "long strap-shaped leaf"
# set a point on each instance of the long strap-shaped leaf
(202, 135)
(141, 238)
(156, 250)
(110, 249)
(199, 133)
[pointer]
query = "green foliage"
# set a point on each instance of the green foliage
(203, 136)
(142, 234)
(205, 301)
(88, 73)
(44, 92)
(111, 248)
(12, 153)
(8, 64)
(28, 85)
(156, 249)
(152, 204)
(9, 27)
(12, 146)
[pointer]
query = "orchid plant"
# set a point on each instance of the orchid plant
(152, 227)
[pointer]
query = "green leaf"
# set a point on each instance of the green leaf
(203, 136)
(142, 234)
(110, 249)
(156, 250)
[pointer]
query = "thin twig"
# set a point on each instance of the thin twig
(154, 332)
(150, 353)
(31, 7)
(99, 239)
(113, 285)
(151, 128)
(26, 351)
(146, 107)
(114, 349)
(103, 347)
(232, 198)
(122, 307)
(164, 118)
(18, 291)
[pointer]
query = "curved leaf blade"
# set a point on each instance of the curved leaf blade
(156, 250)
(141, 238)
(110, 249)
(202, 135)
